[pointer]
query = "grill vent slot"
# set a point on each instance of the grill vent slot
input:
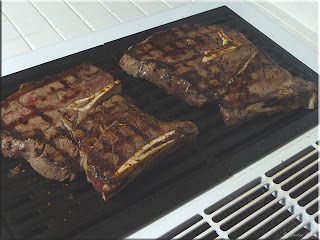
(283, 203)
(182, 227)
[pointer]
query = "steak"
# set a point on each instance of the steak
(76, 120)
(31, 120)
(265, 88)
(118, 140)
(199, 64)
(194, 63)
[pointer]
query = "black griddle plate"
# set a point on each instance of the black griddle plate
(34, 207)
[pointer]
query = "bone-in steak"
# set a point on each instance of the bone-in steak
(203, 63)
(265, 88)
(117, 140)
(194, 63)
(31, 120)
(62, 126)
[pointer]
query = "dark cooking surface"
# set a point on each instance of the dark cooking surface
(34, 207)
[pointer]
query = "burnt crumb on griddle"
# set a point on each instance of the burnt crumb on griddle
(13, 172)
(70, 196)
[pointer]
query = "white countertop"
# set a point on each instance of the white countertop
(275, 26)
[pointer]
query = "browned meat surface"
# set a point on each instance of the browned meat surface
(117, 140)
(202, 63)
(60, 133)
(194, 63)
(264, 88)
(31, 120)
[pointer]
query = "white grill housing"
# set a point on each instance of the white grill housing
(277, 197)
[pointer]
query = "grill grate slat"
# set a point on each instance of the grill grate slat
(311, 235)
(311, 203)
(209, 236)
(313, 209)
(296, 167)
(309, 199)
(239, 206)
(187, 224)
(282, 231)
(248, 189)
(285, 225)
(192, 230)
(300, 176)
(197, 231)
(306, 193)
(263, 230)
(256, 207)
(290, 162)
(263, 218)
(305, 185)
(293, 233)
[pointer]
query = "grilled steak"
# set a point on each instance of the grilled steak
(194, 63)
(62, 126)
(265, 88)
(32, 126)
(203, 63)
(117, 140)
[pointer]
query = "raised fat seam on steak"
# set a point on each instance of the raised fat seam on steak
(32, 119)
(117, 134)
(194, 63)
(265, 88)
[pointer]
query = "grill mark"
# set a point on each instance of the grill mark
(211, 38)
(27, 87)
(137, 130)
(66, 133)
(77, 81)
(153, 124)
(58, 151)
(67, 156)
(116, 148)
(45, 117)
(205, 66)
(82, 128)
(133, 51)
(39, 136)
(52, 144)
(156, 46)
(172, 38)
(192, 76)
(39, 151)
(208, 36)
(65, 84)
(173, 67)
(172, 35)
(12, 132)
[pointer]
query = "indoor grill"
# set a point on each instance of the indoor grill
(35, 207)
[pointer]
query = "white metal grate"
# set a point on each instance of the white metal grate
(278, 204)
(279, 201)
